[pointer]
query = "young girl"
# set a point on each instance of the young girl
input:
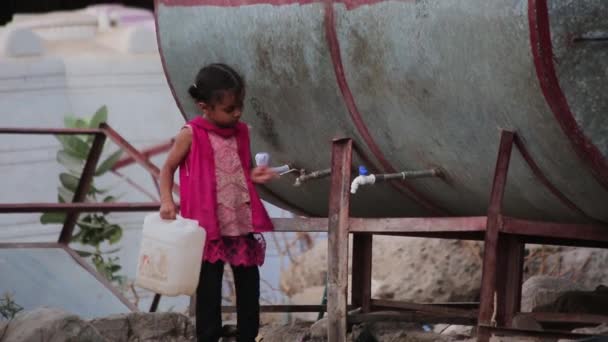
(216, 188)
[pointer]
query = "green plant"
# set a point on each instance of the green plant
(93, 229)
(8, 307)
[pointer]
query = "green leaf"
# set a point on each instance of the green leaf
(74, 146)
(115, 268)
(107, 164)
(100, 116)
(89, 225)
(74, 122)
(69, 181)
(70, 162)
(111, 251)
(52, 218)
(65, 195)
(108, 199)
(83, 254)
(114, 234)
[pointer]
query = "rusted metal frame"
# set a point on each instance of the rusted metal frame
(133, 152)
(542, 178)
(446, 235)
(381, 304)
(281, 308)
(49, 131)
(30, 245)
(84, 264)
(337, 256)
(561, 318)
(300, 224)
(362, 271)
(489, 297)
(510, 264)
(148, 152)
(502, 331)
(570, 231)
(408, 316)
(77, 207)
(418, 224)
(84, 184)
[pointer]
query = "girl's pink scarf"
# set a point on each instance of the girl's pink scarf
(198, 186)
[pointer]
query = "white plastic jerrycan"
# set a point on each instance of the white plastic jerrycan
(170, 255)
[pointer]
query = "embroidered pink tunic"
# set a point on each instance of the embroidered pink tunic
(237, 245)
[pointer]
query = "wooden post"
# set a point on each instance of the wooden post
(84, 185)
(489, 281)
(362, 272)
(337, 254)
(513, 266)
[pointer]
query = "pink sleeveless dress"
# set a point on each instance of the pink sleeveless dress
(238, 244)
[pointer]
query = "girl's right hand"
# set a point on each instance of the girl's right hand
(168, 211)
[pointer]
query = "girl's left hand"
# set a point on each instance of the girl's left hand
(262, 174)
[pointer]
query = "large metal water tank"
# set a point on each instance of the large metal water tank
(417, 84)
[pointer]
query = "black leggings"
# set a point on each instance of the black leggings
(209, 302)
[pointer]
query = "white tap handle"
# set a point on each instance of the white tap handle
(262, 159)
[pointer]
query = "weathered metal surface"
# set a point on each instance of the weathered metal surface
(83, 187)
(417, 84)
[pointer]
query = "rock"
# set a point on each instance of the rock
(162, 325)
(542, 290)
(319, 328)
(582, 302)
(287, 333)
(50, 325)
(422, 270)
(113, 328)
(454, 330)
(587, 265)
(600, 329)
(526, 322)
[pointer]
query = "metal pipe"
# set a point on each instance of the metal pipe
(409, 174)
(313, 175)
(364, 179)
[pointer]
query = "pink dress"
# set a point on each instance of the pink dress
(238, 245)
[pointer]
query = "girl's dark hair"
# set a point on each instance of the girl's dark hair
(213, 81)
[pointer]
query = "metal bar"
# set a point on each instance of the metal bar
(83, 187)
(411, 316)
(571, 231)
(337, 255)
(84, 264)
(300, 224)
(408, 174)
(155, 301)
(76, 207)
(434, 309)
(473, 236)
(418, 224)
(313, 175)
(362, 272)
(281, 308)
(49, 131)
(509, 279)
(542, 178)
(148, 152)
(30, 245)
(494, 224)
(534, 333)
(134, 153)
(553, 317)
(139, 157)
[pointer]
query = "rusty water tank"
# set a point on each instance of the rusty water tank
(417, 84)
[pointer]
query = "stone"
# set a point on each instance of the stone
(542, 290)
(50, 325)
